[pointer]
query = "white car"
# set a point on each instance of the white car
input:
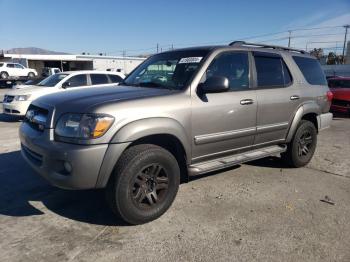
(16, 102)
(15, 70)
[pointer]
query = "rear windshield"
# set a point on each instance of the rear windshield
(339, 83)
(311, 70)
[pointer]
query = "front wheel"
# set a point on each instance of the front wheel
(302, 147)
(144, 183)
(4, 75)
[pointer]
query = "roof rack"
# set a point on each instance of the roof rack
(243, 43)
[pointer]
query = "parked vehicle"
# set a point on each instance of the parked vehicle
(179, 114)
(48, 71)
(10, 70)
(28, 83)
(16, 102)
(340, 87)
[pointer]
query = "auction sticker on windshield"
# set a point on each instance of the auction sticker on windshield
(187, 60)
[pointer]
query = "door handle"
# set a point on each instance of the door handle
(246, 101)
(295, 97)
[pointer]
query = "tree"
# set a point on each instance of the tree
(317, 52)
(334, 59)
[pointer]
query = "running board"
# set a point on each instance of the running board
(232, 160)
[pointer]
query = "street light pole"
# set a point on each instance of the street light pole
(345, 36)
(290, 33)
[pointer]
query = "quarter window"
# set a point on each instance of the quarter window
(311, 70)
(98, 79)
(233, 66)
(272, 71)
(77, 80)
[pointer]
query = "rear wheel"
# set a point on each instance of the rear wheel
(302, 147)
(144, 183)
(31, 74)
(4, 75)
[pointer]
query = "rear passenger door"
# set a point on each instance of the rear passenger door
(278, 97)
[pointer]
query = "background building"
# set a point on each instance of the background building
(68, 62)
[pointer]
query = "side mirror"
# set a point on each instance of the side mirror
(66, 84)
(215, 84)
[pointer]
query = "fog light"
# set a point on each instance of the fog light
(67, 167)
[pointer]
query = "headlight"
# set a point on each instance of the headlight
(22, 97)
(83, 126)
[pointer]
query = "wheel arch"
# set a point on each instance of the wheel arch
(308, 111)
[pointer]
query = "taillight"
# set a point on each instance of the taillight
(329, 96)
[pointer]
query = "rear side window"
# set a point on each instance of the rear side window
(11, 65)
(99, 79)
(78, 80)
(115, 78)
(311, 70)
(272, 71)
(1, 64)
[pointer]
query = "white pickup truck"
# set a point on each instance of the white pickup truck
(8, 70)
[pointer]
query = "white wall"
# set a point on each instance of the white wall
(126, 65)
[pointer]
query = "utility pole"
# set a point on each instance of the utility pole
(157, 48)
(290, 34)
(344, 46)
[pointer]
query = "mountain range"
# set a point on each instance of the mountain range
(32, 51)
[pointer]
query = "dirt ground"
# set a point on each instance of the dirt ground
(260, 211)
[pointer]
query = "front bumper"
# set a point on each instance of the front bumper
(47, 157)
(341, 109)
(18, 108)
(324, 121)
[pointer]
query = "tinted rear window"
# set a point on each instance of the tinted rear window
(98, 79)
(311, 70)
(272, 72)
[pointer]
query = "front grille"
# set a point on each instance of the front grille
(338, 102)
(35, 158)
(8, 99)
(36, 117)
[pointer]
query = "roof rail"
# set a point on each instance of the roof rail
(243, 43)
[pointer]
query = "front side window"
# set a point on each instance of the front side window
(77, 80)
(311, 70)
(271, 71)
(232, 65)
(99, 79)
(52, 80)
(1, 64)
(115, 78)
(19, 66)
(10, 65)
(170, 70)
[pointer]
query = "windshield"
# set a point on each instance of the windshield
(171, 70)
(52, 80)
(339, 83)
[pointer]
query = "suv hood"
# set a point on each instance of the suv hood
(30, 89)
(82, 100)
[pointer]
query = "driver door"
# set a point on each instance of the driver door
(223, 123)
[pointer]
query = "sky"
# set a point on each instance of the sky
(77, 26)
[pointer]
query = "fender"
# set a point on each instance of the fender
(153, 126)
(306, 108)
(134, 131)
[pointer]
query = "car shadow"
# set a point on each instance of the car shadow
(23, 192)
(271, 161)
(8, 118)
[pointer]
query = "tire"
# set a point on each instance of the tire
(302, 147)
(135, 192)
(31, 75)
(4, 75)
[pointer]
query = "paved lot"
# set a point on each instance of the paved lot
(259, 211)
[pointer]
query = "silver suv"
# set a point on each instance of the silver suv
(179, 114)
